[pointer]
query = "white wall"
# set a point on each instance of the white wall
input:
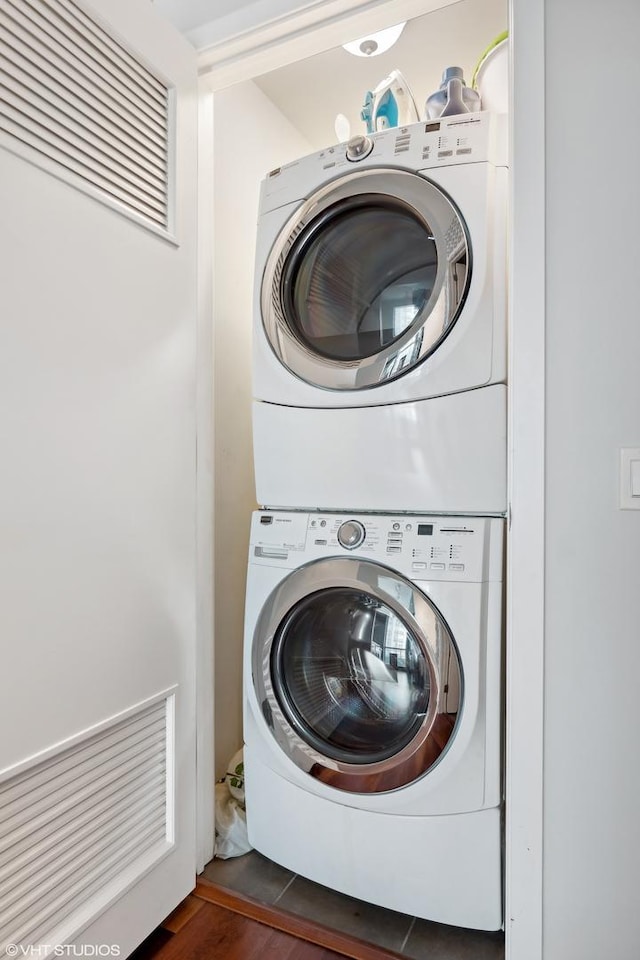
(251, 137)
(592, 648)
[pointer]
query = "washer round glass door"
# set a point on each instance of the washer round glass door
(366, 279)
(357, 675)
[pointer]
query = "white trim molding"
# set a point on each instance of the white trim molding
(205, 776)
(526, 554)
(311, 29)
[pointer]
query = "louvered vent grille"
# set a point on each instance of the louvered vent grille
(76, 822)
(74, 97)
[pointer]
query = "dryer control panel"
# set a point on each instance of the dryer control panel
(468, 138)
(422, 547)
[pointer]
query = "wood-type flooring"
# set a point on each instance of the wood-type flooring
(214, 923)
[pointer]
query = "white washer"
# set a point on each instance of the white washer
(372, 707)
(380, 323)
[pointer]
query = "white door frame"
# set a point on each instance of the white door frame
(310, 31)
(526, 543)
(205, 775)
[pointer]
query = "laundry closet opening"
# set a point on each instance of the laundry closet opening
(259, 126)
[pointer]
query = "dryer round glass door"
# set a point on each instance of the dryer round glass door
(357, 675)
(366, 279)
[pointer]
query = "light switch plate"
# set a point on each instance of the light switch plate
(630, 478)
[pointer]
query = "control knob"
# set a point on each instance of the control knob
(359, 147)
(351, 534)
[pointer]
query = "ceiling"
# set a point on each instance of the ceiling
(188, 14)
(206, 21)
(311, 92)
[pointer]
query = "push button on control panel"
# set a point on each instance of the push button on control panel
(394, 538)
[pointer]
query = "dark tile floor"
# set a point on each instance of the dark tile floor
(264, 880)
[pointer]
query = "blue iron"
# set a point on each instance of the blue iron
(391, 104)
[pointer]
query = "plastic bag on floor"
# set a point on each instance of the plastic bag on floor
(231, 820)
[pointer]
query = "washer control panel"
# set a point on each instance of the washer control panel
(422, 547)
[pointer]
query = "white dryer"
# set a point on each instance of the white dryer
(372, 707)
(380, 323)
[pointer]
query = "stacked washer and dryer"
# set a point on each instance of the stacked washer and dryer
(373, 632)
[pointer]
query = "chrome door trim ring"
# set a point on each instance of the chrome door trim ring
(433, 208)
(431, 739)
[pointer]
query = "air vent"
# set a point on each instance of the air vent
(77, 828)
(79, 104)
